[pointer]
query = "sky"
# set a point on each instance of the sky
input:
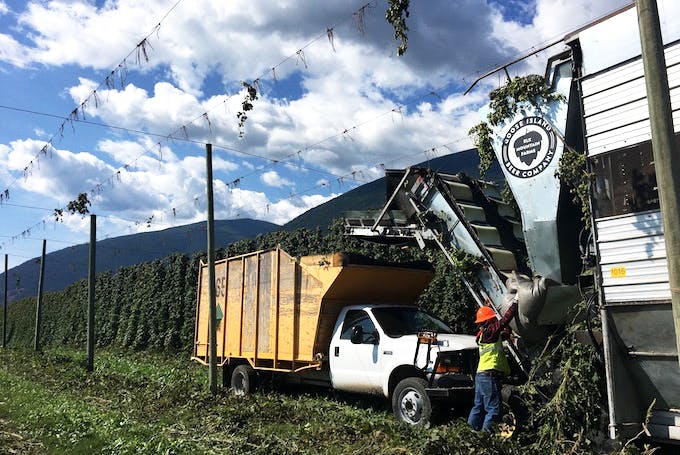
(86, 108)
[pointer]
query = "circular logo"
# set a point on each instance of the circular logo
(528, 147)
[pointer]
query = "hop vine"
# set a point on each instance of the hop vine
(503, 104)
(573, 172)
(246, 106)
(79, 205)
(504, 101)
(396, 14)
(481, 137)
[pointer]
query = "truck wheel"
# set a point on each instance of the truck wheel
(410, 402)
(243, 380)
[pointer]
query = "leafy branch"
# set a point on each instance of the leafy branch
(572, 171)
(396, 14)
(481, 137)
(79, 205)
(246, 106)
(504, 100)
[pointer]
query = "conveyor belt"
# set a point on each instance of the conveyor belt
(456, 213)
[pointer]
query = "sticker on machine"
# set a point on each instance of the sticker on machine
(617, 272)
(528, 147)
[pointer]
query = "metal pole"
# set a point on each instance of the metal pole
(38, 308)
(92, 272)
(666, 160)
(4, 311)
(212, 323)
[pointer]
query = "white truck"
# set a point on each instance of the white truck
(334, 321)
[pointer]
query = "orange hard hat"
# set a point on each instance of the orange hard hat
(484, 314)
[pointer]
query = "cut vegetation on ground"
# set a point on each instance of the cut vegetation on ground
(143, 403)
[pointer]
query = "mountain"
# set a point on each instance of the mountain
(68, 265)
(372, 195)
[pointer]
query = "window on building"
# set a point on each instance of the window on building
(625, 181)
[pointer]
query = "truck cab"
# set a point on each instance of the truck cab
(403, 353)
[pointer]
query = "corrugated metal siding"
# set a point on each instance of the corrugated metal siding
(637, 293)
(636, 273)
(615, 104)
(637, 249)
(633, 258)
(632, 248)
(627, 227)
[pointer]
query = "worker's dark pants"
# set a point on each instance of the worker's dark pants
(487, 408)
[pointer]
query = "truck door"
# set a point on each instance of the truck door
(356, 367)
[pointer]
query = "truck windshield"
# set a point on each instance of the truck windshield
(396, 322)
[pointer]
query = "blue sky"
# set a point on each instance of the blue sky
(331, 114)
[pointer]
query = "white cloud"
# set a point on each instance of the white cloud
(553, 20)
(272, 178)
(243, 39)
(103, 37)
(12, 52)
(332, 118)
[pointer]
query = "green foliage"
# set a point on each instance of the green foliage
(572, 172)
(508, 197)
(447, 296)
(481, 137)
(246, 106)
(459, 438)
(79, 205)
(148, 306)
(396, 14)
(565, 395)
(146, 403)
(141, 403)
(504, 101)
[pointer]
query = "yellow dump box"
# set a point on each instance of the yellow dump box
(278, 312)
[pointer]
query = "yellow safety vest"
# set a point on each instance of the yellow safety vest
(492, 357)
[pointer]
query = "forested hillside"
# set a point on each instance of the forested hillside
(372, 195)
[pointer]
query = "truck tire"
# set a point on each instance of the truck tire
(243, 380)
(410, 402)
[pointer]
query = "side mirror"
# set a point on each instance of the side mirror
(357, 335)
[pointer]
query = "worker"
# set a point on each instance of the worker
(493, 366)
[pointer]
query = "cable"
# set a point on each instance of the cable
(97, 188)
(205, 115)
(108, 82)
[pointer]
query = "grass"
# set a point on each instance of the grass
(146, 403)
(142, 403)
